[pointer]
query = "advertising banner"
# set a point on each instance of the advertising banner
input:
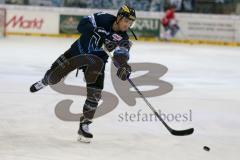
(203, 27)
(145, 27)
(69, 23)
(20, 21)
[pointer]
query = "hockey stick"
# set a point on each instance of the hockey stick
(172, 131)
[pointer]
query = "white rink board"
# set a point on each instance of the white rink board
(237, 24)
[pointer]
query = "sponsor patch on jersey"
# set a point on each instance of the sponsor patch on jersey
(117, 37)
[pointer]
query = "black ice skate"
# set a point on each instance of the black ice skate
(37, 86)
(83, 132)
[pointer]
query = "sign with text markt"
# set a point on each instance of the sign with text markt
(19, 21)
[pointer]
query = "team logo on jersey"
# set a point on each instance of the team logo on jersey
(116, 37)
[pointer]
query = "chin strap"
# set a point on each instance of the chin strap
(133, 34)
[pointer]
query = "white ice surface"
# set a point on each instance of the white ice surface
(206, 80)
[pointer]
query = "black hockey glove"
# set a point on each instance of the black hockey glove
(110, 45)
(120, 59)
(112, 41)
(124, 71)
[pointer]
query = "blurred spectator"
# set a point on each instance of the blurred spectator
(199, 6)
(142, 5)
(157, 5)
(219, 1)
(2, 1)
(19, 2)
(105, 4)
(75, 3)
(182, 5)
(188, 5)
(55, 3)
(177, 3)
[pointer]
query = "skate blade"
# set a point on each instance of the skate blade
(84, 139)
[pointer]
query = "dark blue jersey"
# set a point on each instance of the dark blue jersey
(88, 43)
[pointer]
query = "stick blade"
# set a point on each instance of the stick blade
(182, 132)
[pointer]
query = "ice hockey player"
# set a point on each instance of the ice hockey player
(97, 30)
(169, 23)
